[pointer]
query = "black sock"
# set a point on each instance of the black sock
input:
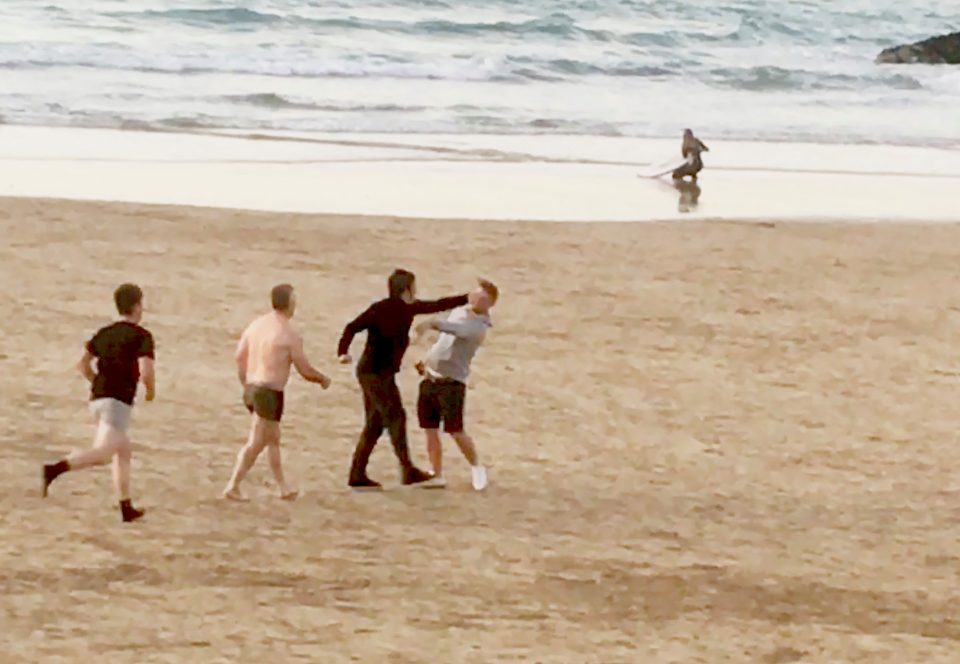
(52, 471)
(59, 468)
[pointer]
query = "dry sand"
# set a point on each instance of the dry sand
(710, 442)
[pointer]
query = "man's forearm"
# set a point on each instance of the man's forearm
(436, 306)
(354, 327)
(313, 375)
(343, 347)
(86, 371)
(150, 382)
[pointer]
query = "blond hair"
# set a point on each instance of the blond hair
(490, 288)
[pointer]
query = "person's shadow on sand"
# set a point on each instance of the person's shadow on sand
(689, 195)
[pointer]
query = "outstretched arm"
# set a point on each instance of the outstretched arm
(302, 364)
(436, 306)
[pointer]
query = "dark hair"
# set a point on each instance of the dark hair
(399, 282)
(127, 297)
(280, 296)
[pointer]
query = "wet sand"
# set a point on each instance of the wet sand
(551, 178)
(709, 442)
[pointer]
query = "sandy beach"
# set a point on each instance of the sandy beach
(709, 442)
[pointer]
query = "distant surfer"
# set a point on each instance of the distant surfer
(691, 149)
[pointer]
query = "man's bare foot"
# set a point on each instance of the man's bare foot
(233, 493)
(290, 494)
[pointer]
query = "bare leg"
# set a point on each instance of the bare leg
(465, 443)
(434, 450)
(478, 472)
(105, 444)
(272, 432)
(121, 470)
(245, 459)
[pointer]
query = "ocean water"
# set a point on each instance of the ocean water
(749, 69)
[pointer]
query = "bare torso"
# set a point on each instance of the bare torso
(268, 340)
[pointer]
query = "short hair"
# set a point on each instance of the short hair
(399, 282)
(127, 297)
(490, 288)
(280, 296)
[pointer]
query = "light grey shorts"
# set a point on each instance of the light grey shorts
(115, 413)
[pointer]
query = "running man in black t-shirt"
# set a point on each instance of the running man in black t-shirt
(124, 354)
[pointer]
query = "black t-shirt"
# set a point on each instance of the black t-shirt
(118, 349)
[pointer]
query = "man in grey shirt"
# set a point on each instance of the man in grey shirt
(444, 386)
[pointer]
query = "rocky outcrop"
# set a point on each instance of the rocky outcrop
(943, 50)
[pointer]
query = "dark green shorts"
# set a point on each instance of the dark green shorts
(267, 403)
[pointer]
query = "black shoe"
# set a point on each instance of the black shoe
(129, 512)
(365, 484)
(414, 475)
(132, 515)
(52, 471)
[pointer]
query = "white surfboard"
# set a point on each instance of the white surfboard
(664, 168)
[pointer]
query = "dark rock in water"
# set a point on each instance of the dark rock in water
(942, 50)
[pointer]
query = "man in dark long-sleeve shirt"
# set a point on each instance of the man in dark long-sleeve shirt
(387, 324)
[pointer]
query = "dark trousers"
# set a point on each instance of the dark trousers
(384, 410)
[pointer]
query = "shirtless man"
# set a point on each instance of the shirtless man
(690, 149)
(267, 349)
(124, 352)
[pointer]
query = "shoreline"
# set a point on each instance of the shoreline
(825, 223)
(504, 177)
(943, 143)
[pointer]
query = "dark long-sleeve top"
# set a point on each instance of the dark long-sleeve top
(387, 324)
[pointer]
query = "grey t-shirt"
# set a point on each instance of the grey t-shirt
(460, 336)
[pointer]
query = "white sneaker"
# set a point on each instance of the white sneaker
(435, 482)
(479, 477)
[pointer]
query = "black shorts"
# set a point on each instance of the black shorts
(267, 403)
(441, 401)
